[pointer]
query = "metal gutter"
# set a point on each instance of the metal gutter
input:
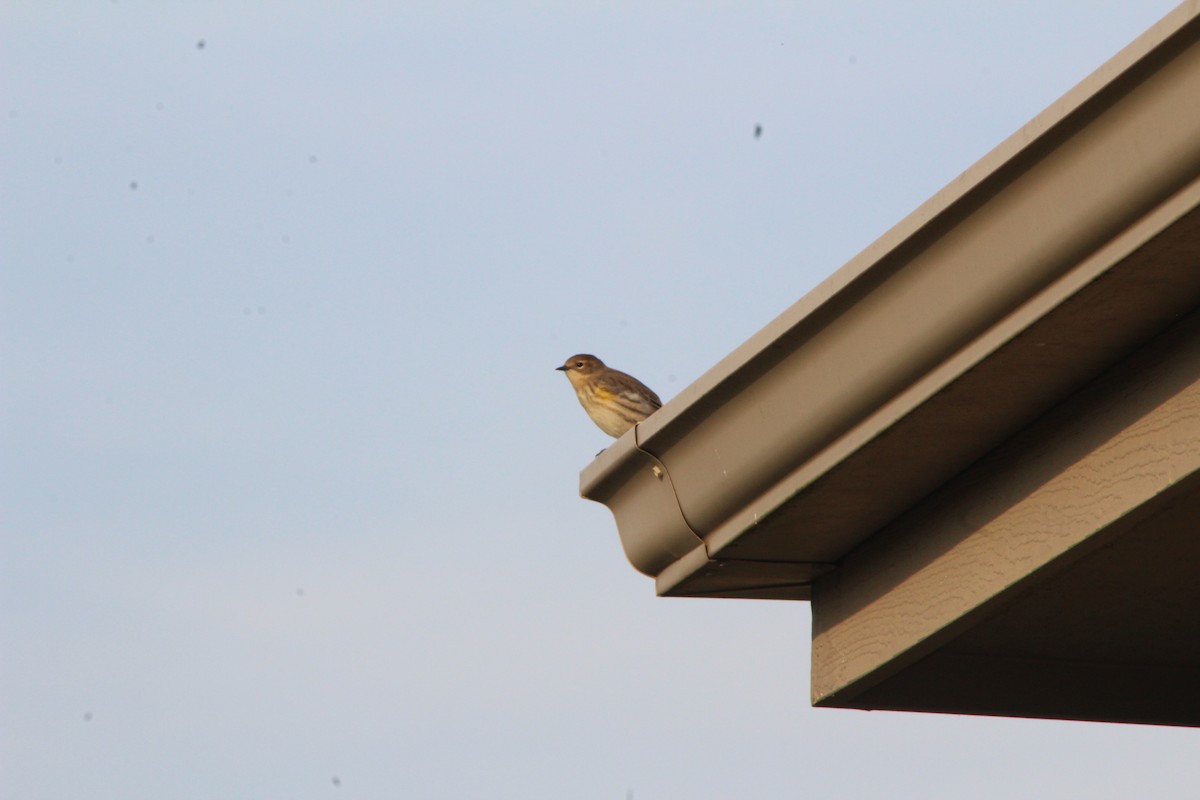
(1013, 286)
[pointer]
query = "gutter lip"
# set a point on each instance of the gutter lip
(685, 577)
(945, 201)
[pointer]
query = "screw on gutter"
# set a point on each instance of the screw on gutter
(657, 470)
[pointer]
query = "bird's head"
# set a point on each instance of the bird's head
(582, 364)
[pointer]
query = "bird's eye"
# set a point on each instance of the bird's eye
(578, 365)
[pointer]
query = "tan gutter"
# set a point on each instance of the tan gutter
(1003, 293)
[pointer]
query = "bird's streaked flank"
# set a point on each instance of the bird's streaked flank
(615, 401)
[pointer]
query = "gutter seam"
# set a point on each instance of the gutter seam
(661, 472)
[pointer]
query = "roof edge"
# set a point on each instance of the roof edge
(1026, 142)
(1021, 226)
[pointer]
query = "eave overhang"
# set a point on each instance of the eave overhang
(1045, 264)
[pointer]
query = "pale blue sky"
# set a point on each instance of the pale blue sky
(289, 483)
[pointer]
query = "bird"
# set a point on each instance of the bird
(615, 401)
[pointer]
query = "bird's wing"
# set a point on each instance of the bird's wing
(631, 390)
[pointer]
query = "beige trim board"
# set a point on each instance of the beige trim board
(1090, 471)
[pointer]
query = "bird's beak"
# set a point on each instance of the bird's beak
(562, 368)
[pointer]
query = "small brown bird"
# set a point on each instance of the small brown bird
(615, 401)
